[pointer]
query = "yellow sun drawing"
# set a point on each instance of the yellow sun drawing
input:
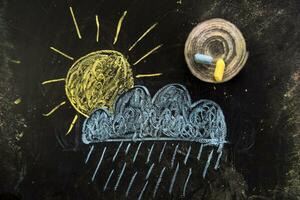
(96, 79)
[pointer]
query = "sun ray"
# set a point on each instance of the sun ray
(142, 36)
(72, 124)
(62, 53)
(147, 54)
(53, 81)
(54, 109)
(119, 26)
(18, 101)
(75, 23)
(15, 61)
(147, 75)
(98, 26)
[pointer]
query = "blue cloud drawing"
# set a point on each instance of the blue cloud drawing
(169, 115)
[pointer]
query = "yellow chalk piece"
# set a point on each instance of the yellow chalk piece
(219, 70)
(17, 101)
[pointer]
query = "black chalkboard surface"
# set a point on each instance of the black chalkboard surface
(42, 152)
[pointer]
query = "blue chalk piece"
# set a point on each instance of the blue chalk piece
(203, 59)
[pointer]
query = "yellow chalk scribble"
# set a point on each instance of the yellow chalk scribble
(17, 101)
(54, 109)
(147, 75)
(95, 80)
(75, 23)
(119, 27)
(142, 36)
(98, 28)
(147, 54)
(53, 81)
(61, 53)
(72, 124)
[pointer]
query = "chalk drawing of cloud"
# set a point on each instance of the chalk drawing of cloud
(169, 115)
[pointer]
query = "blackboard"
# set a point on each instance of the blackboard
(260, 105)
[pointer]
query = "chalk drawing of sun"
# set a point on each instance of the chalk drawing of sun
(98, 78)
